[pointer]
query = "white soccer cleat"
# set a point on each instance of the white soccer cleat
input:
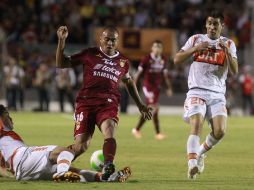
(136, 133)
(201, 163)
(192, 169)
(121, 175)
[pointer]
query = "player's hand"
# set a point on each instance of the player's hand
(223, 47)
(201, 46)
(169, 92)
(62, 32)
(146, 111)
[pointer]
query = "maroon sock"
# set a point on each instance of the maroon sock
(140, 123)
(109, 150)
(156, 123)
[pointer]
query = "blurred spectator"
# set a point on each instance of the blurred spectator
(246, 81)
(42, 83)
(65, 82)
(13, 78)
(30, 24)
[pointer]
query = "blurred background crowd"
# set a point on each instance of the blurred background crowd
(28, 40)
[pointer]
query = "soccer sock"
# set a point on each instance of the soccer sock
(192, 148)
(210, 141)
(109, 150)
(64, 160)
(140, 123)
(90, 176)
(156, 122)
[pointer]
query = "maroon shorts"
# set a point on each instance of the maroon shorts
(87, 116)
(151, 95)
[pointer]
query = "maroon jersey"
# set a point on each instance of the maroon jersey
(153, 71)
(101, 75)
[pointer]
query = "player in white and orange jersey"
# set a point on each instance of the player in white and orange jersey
(42, 162)
(213, 55)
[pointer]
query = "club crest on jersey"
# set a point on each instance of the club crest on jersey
(99, 55)
(122, 62)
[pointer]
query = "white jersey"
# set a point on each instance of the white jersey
(8, 145)
(208, 70)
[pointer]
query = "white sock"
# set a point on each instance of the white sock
(88, 176)
(64, 160)
(209, 143)
(192, 148)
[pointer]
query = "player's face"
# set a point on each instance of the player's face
(214, 27)
(109, 42)
(157, 48)
(7, 120)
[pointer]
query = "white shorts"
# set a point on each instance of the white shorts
(34, 164)
(205, 102)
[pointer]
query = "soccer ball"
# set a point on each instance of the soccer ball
(97, 160)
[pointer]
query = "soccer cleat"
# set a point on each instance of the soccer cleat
(136, 133)
(124, 174)
(192, 169)
(107, 171)
(121, 175)
(160, 136)
(201, 163)
(66, 176)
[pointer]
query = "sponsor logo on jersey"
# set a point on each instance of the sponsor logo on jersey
(98, 66)
(108, 62)
(98, 55)
(210, 56)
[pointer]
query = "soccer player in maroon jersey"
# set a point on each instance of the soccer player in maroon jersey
(153, 67)
(97, 101)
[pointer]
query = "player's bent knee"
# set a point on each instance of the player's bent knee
(219, 134)
(79, 148)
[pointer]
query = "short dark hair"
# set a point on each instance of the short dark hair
(216, 14)
(157, 42)
(2, 109)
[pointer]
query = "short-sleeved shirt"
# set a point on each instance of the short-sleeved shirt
(153, 69)
(101, 75)
(209, 70)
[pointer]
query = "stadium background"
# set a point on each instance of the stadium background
(28, 35)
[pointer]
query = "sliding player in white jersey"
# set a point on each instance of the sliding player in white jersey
(213, 55)
(42, 162)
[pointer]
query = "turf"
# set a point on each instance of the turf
(155, 164)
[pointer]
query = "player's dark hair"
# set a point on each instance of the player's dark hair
(2, 109)
(157, 42)
(216, 14)
(111, 29)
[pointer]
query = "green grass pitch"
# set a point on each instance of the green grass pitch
(155, 164)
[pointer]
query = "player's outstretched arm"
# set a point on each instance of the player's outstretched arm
(132, 89)
(182, 56)
(138, 75)
(61, 60)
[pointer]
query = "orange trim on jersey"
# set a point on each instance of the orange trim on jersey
(12, 134)
(229, 43)
(1, 125)
(11, 161)
(194, 40)
(64, 162)
(192, 156)
(210, 56)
